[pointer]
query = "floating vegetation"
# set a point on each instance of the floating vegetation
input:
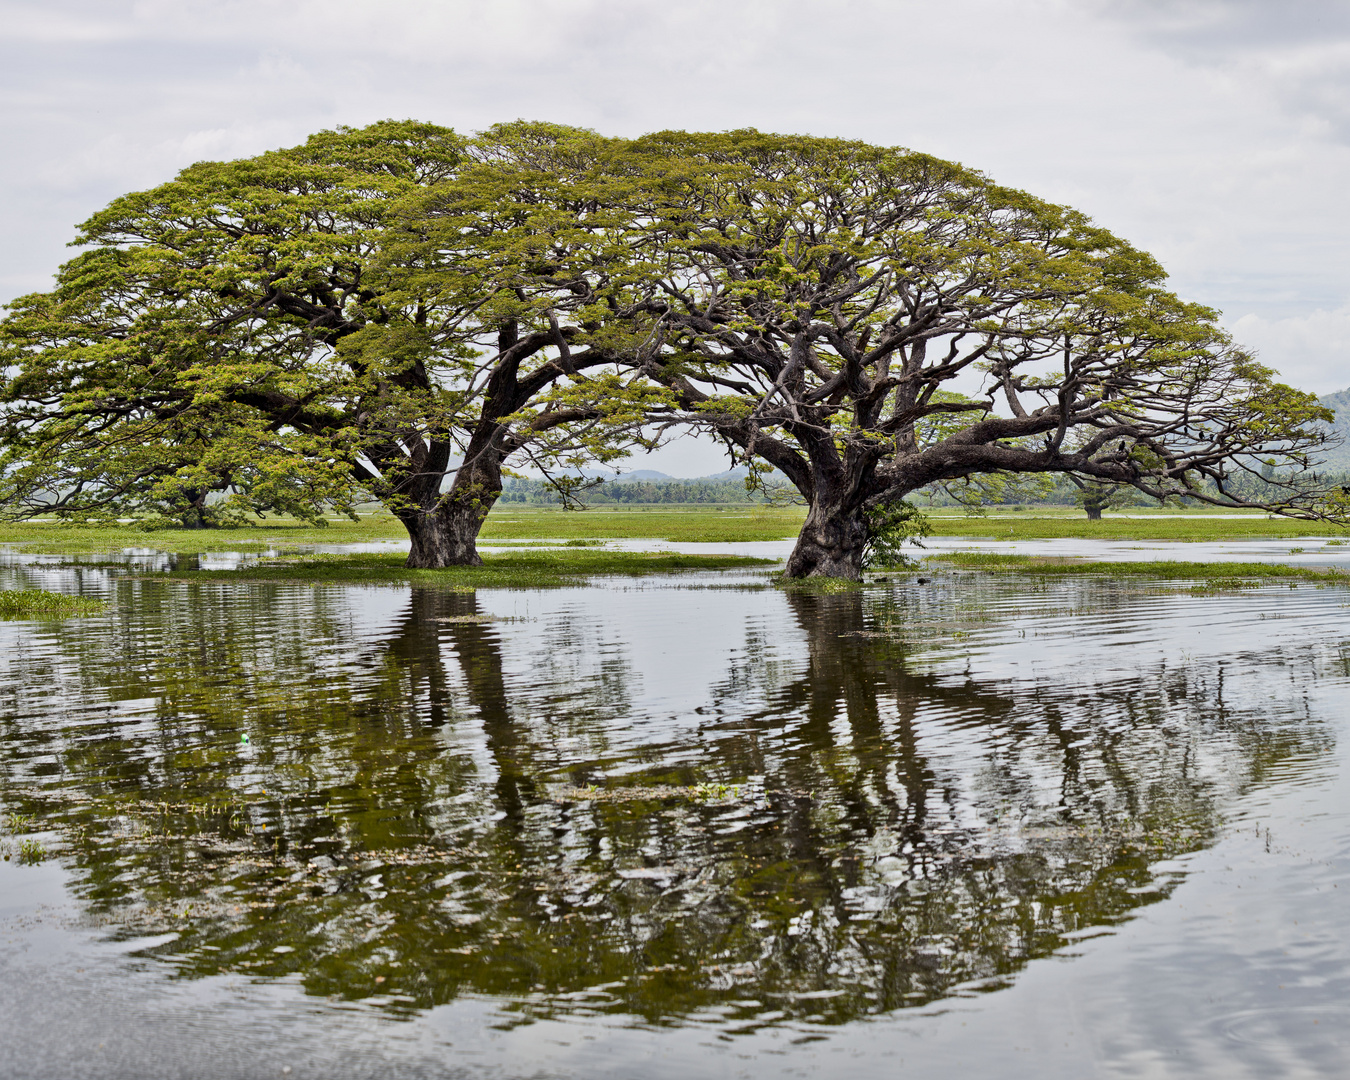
(712, 793)
(31, 852)
(480, 619)
(513, 570)
(17, 823)
(41, 604)
(826, 586)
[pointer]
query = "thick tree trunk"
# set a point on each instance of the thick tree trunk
(444, 527)
(831, 542)
(1094, 513)
(193, 515)
(446, 536)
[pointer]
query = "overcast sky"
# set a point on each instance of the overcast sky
(1213, 133)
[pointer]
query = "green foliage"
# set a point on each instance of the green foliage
(1095, 498)
(889, 527)
(824, 293)
(32, 851)
(649, 492)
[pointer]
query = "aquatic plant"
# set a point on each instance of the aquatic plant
(31, 852)
(513, 570)
(41, 604)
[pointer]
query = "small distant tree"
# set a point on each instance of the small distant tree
(1095, 497)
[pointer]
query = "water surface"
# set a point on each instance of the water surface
(684, 825)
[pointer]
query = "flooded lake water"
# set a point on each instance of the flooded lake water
(676, 826)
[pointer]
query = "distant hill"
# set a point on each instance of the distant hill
(640, 474)
(1337, 458)
(740, 472)
(637, 475)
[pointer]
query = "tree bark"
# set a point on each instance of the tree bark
(444, 536)
(444, 527)
(194, 514)
(1094, 513)
(831, 542)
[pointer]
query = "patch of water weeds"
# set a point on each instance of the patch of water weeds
(513, 570)
(708, 793)
(481, 619)
(41, 604)
(27, 850)
(818, 586)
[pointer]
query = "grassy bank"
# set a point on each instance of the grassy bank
(679, 524)
(59, 538)
(1226, 572)
(1180, 527)
(684, 524)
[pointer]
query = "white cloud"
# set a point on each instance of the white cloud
(1311, 351)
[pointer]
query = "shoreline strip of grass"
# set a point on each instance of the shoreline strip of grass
(1194, 529)
(1163, 570)
(509, 525)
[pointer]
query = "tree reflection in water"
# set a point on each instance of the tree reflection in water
(427, 809)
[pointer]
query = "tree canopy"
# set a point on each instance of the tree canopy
(822, 298)
(394, 310)
(398, 310)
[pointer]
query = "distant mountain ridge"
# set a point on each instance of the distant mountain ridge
(738, 473)
(1337, 458)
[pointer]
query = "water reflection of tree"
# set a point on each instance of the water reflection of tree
(903, 833)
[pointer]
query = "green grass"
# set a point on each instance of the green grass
(1229, 527)
(1228, 573)
(686, 524)
(513, 570)
(517, 525)
(61, 538)
(40, 604)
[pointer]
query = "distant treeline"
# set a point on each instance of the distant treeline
(652, 492)
(542, 493)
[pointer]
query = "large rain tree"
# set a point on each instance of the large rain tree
(393, 311)
(870, 321)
